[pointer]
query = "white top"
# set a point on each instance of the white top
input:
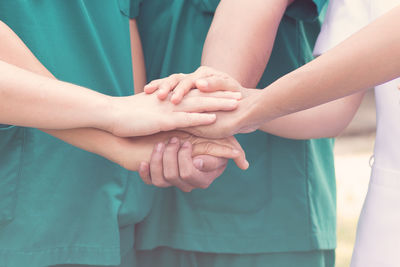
(343, 18)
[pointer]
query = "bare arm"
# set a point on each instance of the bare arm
(138, 66)
(241, 38)
(240, 26)
(327, 120)
(30, 99)
(368, 58)
(253, 30)
(128, 152)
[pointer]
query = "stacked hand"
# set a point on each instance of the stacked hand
(171, 164)
(145, 114)
(207, 80)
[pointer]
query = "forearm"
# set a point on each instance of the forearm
(30, 99)
(368, 58)
(327, 120)
(241, 38)
(14, 52)
(138, 66)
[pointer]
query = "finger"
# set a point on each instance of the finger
(207, 104)
(241, 160)
(216, 150)
(171, 169)
(217, 83)
(223, 151)
(144, 172)
(156, 167)
(168, 85)
(181, 90)
(218, 94)
(187, 171)
(152, 86)
(184, 120)
(194, 176)
(207, 163)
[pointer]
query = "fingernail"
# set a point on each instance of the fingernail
(159, 147)
(173, 140)
(186, 144)
(198, 163)
(247, 164)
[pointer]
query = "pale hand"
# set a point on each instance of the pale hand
(145, 114)
(181, 84)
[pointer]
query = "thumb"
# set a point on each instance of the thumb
(206, 163)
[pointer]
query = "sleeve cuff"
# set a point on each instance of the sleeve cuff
(307, 10)
(130, 8)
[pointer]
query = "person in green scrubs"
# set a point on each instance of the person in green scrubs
(60, 204)
(282, 210)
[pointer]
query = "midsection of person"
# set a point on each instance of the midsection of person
(386, 153)
(378, 228)
(289, 186)
(64, 202)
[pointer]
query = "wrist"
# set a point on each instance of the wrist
(106, 113)
(246, 121)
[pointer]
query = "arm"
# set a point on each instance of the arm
(30, 99)
(138, 66)
(368, 58)
(326, 120)
(237, 26)
(127, 152)
(253, 30)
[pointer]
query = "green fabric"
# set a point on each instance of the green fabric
(60, 204)
(307, 10)
(286, 200)
(130, 8)
(166, 257)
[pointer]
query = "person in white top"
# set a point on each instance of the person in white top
(378, 232)
(369, 57)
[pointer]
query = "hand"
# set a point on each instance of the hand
(181, 84)
(172, 164)
(228, 123)
(144, 114)
(129, 152)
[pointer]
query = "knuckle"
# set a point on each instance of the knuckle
(171, 148)
(208, 148)
(185, 175)
(170, 176)
(160, 183)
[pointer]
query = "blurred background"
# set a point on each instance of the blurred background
(353, 150)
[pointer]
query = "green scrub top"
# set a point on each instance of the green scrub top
(60, 204)
(286, 200)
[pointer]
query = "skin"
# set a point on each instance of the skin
(127, 152)
(342, 71)
(28, 99)
(253, 30)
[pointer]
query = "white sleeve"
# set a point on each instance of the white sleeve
(346, 17)
(343, 18)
